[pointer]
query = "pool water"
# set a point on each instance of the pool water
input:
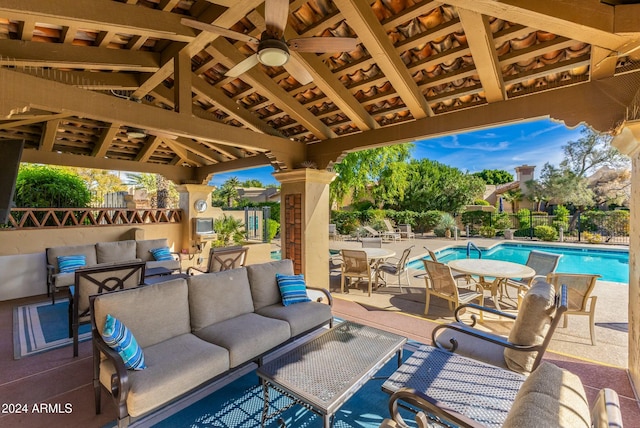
(612, 265)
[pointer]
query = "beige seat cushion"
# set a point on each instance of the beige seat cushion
(262, 277)
(119, 251)
(88, 250)
(531, 325)
(301, 316)
(246, 336)
(174, 367)
(143, 247)
(474, 347)
(550, 397)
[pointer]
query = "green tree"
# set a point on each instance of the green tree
(360, 170)
(228, 192)
(564, 187)
(252, 183)
(592, 151)
(513, 197)
(40, 186)
(494, 176)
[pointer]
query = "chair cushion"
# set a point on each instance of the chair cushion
(474, 347)
(119, 251)
(292, 289)
(246, 336)
(301, 317)
(174, 367)
(68, 264)
(161, 254)
(550, 397)
(120, 339)
(531, 325)
(218, 296)
(262, 277)
(88, 250)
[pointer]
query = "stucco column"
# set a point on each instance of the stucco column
(189, 195)
(628, 142)
(304, 222)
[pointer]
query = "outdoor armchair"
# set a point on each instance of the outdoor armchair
(439, 281)
(541, 262)
(528, 339)
(550, 397)
(224, 258)
(396, 267)
(97, 280)
(579, 299)
(355, 264)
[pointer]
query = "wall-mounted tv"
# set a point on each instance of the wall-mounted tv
(203, 226)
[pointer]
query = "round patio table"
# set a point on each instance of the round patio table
(498, 269)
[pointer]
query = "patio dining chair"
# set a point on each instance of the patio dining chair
(223, 258)
(541, 262)
(371, 242)
(396, 267)
(579, 299)
(406, 232)
(528, 339)
(355, 264)
(334, 235)
(97, 280)
(439, 281)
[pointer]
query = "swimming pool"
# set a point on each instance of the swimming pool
(612, 265)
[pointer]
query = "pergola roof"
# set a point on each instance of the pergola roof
(78, 76)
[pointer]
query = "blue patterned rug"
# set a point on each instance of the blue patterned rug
(41, 327)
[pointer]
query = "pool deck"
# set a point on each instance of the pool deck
(574, 341)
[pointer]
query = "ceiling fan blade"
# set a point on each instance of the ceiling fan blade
(297, 70)
(243, 66)
(218, 30)
(276, 13)
(323, 44)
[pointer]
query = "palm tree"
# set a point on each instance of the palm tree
(513, 196)
(229, 190)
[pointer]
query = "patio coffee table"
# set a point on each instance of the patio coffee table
(325, 372)
(477, 390)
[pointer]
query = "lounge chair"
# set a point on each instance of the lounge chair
(391, 232)
(580, 300)
(371, 232)
(224, 258)
(439, 281)
(396, 267)
(405, 231)
(530, 335)
(541, 262)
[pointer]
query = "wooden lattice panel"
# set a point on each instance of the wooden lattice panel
(293, 230)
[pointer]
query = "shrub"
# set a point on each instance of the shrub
(488, 232)
(562, 214)
(524, 219)
(545, 233)
(480, 202)
(40, 186)
(427, 221)
(273, 227)
(593, 238)
(446, 225)
(229, 229)
(346, 222)
(502, 221)
(558, 224)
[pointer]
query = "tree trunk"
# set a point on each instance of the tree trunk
(163, 191)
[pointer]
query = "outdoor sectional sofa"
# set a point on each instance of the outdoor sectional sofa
(104, 254)
(195, 333)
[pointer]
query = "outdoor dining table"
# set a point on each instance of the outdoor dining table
(500, 270)
(375, 256)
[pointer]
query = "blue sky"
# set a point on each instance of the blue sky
(505, 147)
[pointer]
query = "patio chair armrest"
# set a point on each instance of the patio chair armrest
(423, 403)
(474, 332)
(481, 308)
(192, 269)
(51, 270)
(120, 379)
(326, 293)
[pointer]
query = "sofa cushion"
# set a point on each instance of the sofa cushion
(531, 325)
(550, 397)
(246, 336)
(119, 251)
(219, 296)
(120, 339)
(71, 263)
(143, 247)
(153, 313)
(88, 250)
(301, 317)
(292, 289)
(174, 367)
(262, 277)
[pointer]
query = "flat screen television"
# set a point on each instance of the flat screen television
(203, 226)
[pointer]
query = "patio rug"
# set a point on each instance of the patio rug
(239, 404)
(41, 327)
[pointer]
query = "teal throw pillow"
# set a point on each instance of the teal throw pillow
(292, 289)
(120, 339)
(161, 254)
(69, 264)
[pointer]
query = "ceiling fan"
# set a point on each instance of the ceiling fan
(273, 49)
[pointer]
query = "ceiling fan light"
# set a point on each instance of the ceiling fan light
(273, 57)
(136, 133)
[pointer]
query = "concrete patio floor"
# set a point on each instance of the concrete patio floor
(611, 311)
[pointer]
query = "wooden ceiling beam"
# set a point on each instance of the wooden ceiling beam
(36, 54)
(150, 146)
(37, 119)
(95, 81)
(106, 138)
(374, 38)
(480, 41)
(48, 138)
